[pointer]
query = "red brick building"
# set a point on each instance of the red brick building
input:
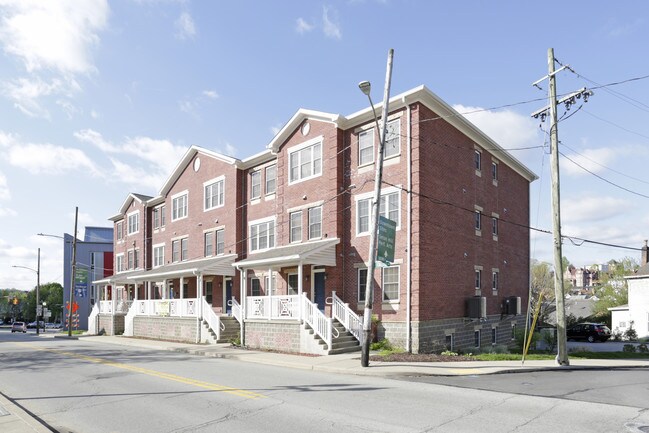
(280, 240)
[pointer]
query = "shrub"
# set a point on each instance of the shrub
(631, 334)
(629, 348)
(381, 345)
(642, 348)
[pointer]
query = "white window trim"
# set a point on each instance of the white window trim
(361, 290)
(119, 258)
(370, 195)
(290, 227)
(301, 146)
(255, 172)
(128, 225)
(266, 179)
(262, 221)
(175, 196)
(369, 131)
(205, 185)
(153, 249)
(308, 223)
(397, 120)
(391, 301)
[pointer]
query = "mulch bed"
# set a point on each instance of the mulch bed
(420, 357)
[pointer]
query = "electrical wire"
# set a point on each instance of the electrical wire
(603, 166)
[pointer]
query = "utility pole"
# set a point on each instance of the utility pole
(562, 348)
(369, 292)
(39, 308)
(73, 277)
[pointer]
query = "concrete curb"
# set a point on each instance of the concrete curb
(18, 420)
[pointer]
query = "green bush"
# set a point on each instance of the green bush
(630, 348)
(381, 345)
(642, 348)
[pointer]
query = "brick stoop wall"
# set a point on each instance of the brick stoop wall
(430, 336)
(111, 325)
(276, 335)
(181, 329)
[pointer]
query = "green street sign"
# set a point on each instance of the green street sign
(385, 248)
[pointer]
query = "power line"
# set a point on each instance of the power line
(603, 166)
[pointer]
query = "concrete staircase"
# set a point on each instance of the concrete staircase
(230, 332)
(345, 342)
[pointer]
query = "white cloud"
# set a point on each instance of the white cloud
(301, 26)
(53, 34)
(331, 26)
(5, 194)
(50, 159)
(230, 150)
(94, 114)
(95, 138)
(26, 93)
(593, 160)
(187, 106)
(7, 140)
(592, 207)
(137, 177)
(68, 107)
(210, 94)
(7, 212)
(185, 27)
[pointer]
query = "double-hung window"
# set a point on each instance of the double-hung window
(494, 226)
(305, 162)
(156, 218)
(478, 279)
(255, 287)
(295, 222)
(262, 235)
(175, 250)
(214, 193)
(220, 242)
(315, 222)
(119, 228)
(183, 249)
(292, 284)
(392, 138)
(129, 264)
(362, 283)
(271, 179)
(179, 206)
(134, 222)
(158, 256)
(366, 147)
(119, 262)
(208, 238)
(494, 280)
(390, 283)
(478, 161)
(478, 220)
(255, 184)
(389, 207)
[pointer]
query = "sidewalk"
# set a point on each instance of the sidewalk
(18, 421)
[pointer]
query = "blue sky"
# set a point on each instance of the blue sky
(101, 99)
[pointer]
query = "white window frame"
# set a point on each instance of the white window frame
(133, 223)
(315, 225)
(295, 226)
(180, 205)
(495, 280)
(366, 200)
(158, 255)
(156, 218)
(478, 278)
(252, 286)
(360, 284)
(119, 262)
(392, 136)
(119, 230)
(255, 184)
(208, 252)
(478, 161)
(268, 179)
(219, 242)
(366, 141)
(210, 199)
(397, 283)
(315, 149)
(270, 234)
(289, 289)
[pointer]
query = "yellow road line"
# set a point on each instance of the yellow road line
(173, 377)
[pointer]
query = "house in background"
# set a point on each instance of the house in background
(94, 260)
(636, 313)
(274, 247)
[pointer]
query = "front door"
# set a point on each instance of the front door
(319, 289)
(228, 296)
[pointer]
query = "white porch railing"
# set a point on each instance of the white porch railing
(273, 307)
(114, 306)
(349, 319)
(167, 307)
(106, 307)
(128, 319)
(211, 318)
(321, 324)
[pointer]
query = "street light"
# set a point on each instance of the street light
(369, 293)
(74, 267)
(38, 287)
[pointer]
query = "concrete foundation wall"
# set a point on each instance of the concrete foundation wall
(110, 325)
(275, 335)
(431, 336)
(180, 329)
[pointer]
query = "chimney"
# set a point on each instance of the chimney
(645, 256)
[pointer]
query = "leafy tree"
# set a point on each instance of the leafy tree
(542, 282)
(613, 290)
(51, 294)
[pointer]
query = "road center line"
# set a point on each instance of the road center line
(173, 377)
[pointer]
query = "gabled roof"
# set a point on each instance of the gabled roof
(141, 198)
(296, 120)
(189, 155)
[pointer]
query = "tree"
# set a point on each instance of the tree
(613, 290)
(51, 294)
(542, 282)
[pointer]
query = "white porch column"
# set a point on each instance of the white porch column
(300, 277)
(269, 293)
(182, 287)
(244, 279)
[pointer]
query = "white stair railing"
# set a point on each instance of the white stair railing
(212, 319)
(321, 324)
(92, 319)
(348, 318)
(128, 319)
(236, 309)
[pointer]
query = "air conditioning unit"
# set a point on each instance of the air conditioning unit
(477, 307)
(512, 306)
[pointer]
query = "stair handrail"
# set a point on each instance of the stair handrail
(321, 324)
(236, 309)
(92, 320)
(129, 318)
(347, 317)
(211, 318)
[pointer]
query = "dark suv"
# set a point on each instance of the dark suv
(589, 331)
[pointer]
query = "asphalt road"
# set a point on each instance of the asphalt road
(78, 387)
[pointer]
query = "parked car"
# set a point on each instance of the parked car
(18, 327)
(32, 325)
(589, 331)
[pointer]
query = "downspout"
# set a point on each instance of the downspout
(409, 235)
(199, 300)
